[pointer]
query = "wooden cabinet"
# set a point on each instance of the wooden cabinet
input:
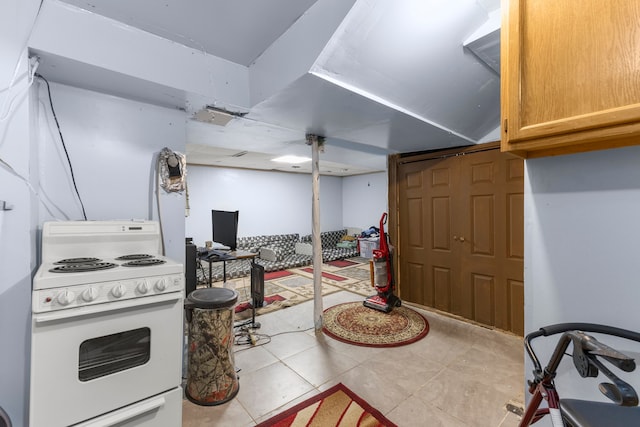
(570, 75)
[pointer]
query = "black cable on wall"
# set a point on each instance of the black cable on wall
(64, 146)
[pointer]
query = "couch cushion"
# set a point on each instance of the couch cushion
(279, 250)
(303, 248)
(272, 253)
(332, 254)
(252, 243)
(330, 239)
(287, 246)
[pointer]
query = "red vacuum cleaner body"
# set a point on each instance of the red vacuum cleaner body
(384, 300)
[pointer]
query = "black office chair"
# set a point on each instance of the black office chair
(4, 418)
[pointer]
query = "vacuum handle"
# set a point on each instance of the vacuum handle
(384, 247)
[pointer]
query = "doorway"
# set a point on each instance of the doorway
(460, 228)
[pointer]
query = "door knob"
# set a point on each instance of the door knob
(462, 239)
(455, 237)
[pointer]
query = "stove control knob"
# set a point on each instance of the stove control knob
(66, 297)
(143, 287)
(161, 285)
(119, 291)
(89, 294)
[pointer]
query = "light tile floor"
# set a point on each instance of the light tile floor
(458, 375)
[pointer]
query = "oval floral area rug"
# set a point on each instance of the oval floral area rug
(356, 324)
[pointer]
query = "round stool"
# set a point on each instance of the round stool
(212, 378)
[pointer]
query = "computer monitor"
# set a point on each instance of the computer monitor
(224, 225)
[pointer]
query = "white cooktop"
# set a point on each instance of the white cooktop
(78, 245)
(105, 241)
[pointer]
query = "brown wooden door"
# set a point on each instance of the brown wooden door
(461, 233)
(429, 261)
(414, 243)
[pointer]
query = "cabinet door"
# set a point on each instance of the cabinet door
(570, 75)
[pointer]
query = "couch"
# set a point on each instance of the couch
(331, 242)
(274, 252)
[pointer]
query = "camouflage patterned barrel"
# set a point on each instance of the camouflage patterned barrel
(211, 374)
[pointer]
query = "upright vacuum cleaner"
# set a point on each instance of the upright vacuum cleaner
(383, 278)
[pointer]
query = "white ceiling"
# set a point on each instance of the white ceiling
(236, 30)
(385, 76)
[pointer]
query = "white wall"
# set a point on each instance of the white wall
(113, 145)
(269, 202)
(17, 227)
(280, 202)
(364, 200)
(582, 263)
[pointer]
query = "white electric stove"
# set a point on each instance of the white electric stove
(106, 327)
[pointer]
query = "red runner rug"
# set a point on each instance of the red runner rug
(276, 274)
(326, 275)
(336, 407)
(340, 263)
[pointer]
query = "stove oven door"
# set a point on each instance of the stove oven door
(90, 361)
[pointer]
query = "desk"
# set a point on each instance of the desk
(230, 256)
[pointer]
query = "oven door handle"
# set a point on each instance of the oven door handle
(125, 414)
(105, 307)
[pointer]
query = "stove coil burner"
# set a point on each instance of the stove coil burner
(87, 266)
(143, 262)
(134, 257)
(77, 261)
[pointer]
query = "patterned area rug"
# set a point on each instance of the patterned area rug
(276, 274)
(290, 287)
(267, 300)
(341, 263)
(325, 275)
(279, 293)
(356, 324)
(336, 407)
(362, 280)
